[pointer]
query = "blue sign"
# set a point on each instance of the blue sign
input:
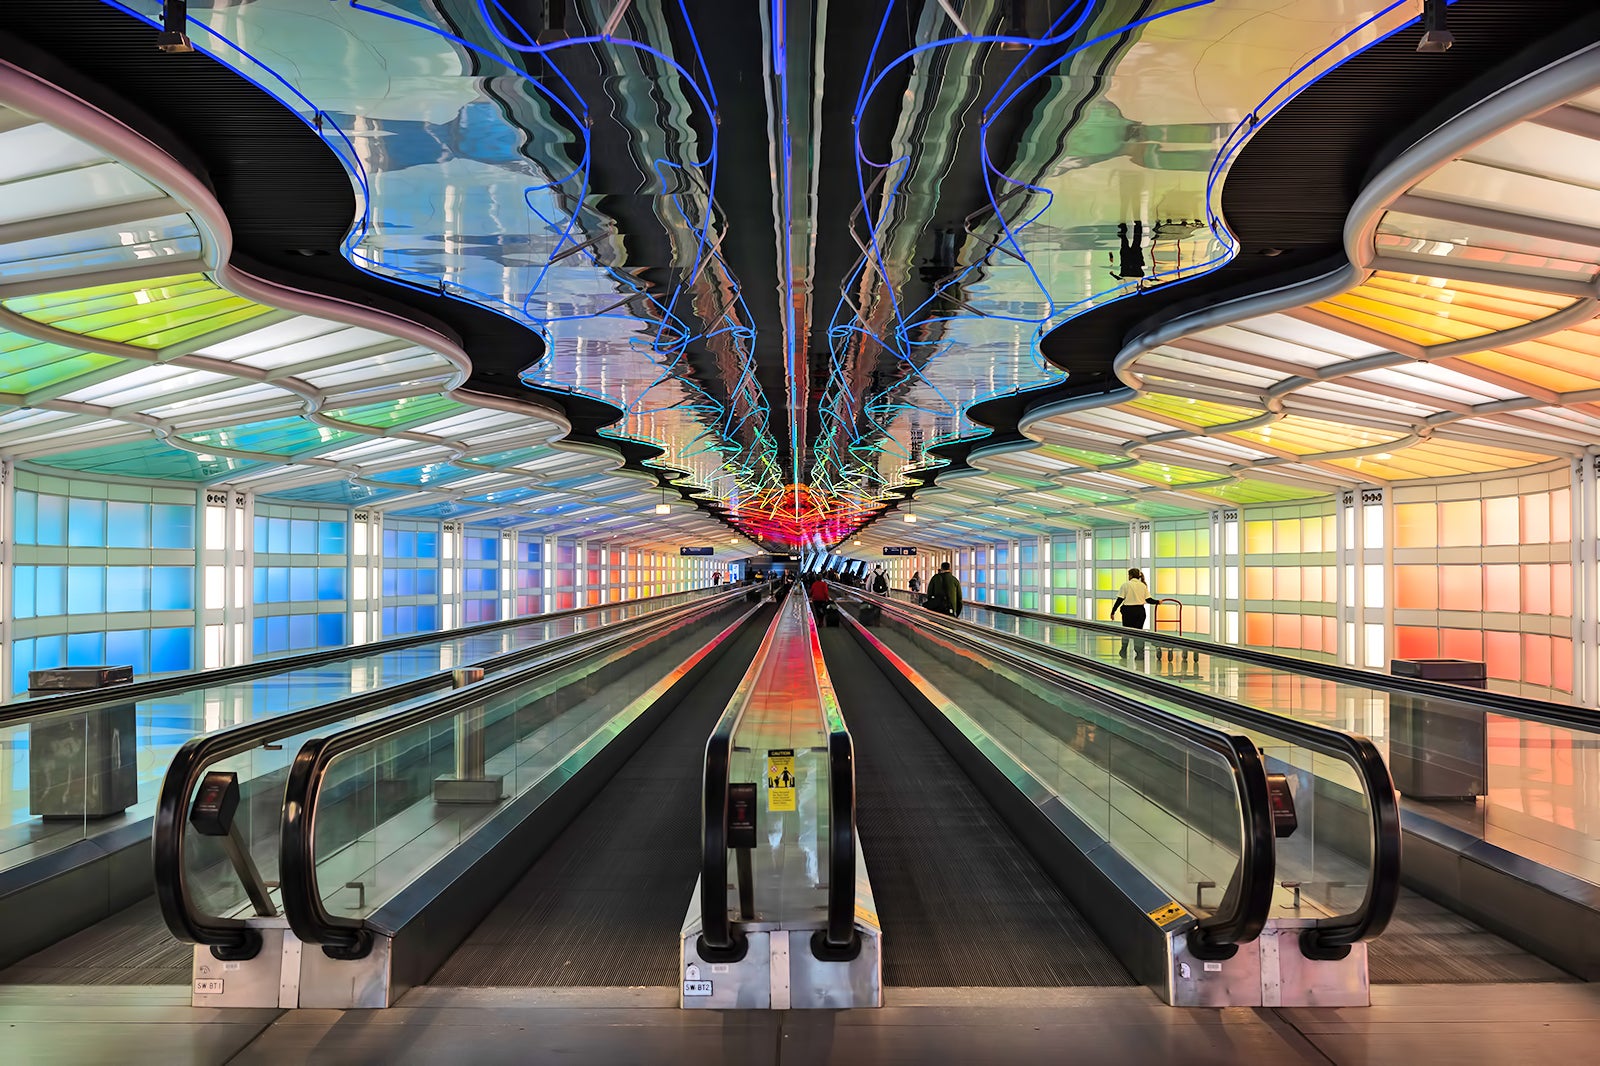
(697, 551)
(899, 551)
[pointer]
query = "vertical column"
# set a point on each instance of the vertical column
(1586, 580)
(1373, 579)
(8, 528)
(1346, 601)
(241, 566)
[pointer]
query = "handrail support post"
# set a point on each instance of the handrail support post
(747, 885)
(472, 782)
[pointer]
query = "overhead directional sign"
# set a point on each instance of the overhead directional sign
(699, 550)
(899, 551)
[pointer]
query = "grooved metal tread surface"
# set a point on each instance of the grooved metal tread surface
(132, 947)
(1425, 944)
(603, 906)
(962, 901)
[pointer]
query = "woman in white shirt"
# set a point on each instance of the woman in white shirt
(1131, 598)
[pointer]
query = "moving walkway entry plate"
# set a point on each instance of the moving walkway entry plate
(1165, 916)
(780, 779)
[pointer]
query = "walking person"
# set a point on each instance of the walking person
(880, 581)
(1131, 598)
(916, 584)
(944, 592)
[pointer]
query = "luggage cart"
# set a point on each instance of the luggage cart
(1175, 624)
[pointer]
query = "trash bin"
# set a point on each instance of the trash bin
(1438, 749)
(83, 764)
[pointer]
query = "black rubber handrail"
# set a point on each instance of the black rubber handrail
(1219, 935)
(38, 706)
(1583, 719)
(231, 938)
(839, 941)
(719, 940)
(1329, 938)
(350, 938)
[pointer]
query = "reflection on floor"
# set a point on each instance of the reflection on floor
(1482, 1025)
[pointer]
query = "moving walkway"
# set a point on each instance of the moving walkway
(1508, 880)
(366, 877)
(1123, 843)
(90, 869)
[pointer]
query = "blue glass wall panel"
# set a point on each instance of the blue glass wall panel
(330, 630)
(171, 526)
(128, 588)
(330, 583)
(172, 588)
(127, 524)
(331, 538)
(86, 590)
(172, 649)
(86, 523)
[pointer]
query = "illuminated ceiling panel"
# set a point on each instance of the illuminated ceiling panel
(1440, 458)
(1429, 311)
(157, 374)
(1419, 375)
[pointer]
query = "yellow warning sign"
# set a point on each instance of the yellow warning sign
(1167, 915)
(780, 779)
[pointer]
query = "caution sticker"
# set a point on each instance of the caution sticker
(1164, 916)
(780, 779)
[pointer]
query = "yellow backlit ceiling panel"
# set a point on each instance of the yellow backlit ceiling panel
(1568, 361)
(1314, 436)
(1439, 458)
(1198, 413)
(1429, 311)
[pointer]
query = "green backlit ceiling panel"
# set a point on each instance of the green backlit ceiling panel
(45, 366)
(1191, 412)
(147, 314)
(1163, 474)
(151, 459)
(1259, 492)
(1081, 456)
(282, 436)
(397, 414)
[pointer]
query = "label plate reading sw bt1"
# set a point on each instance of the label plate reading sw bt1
(208, 986)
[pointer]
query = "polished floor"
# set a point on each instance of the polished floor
(1486, 1025)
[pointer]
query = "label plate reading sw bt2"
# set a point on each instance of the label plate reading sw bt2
(692, 984)
(208, 986)
(780, 779)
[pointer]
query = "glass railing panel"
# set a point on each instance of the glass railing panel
(150, 731)
(783, 712)
(1167, 806)
(378, 826)
(1330, 857)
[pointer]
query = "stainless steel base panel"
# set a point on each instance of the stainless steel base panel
(779, 971)
(1268, 972)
